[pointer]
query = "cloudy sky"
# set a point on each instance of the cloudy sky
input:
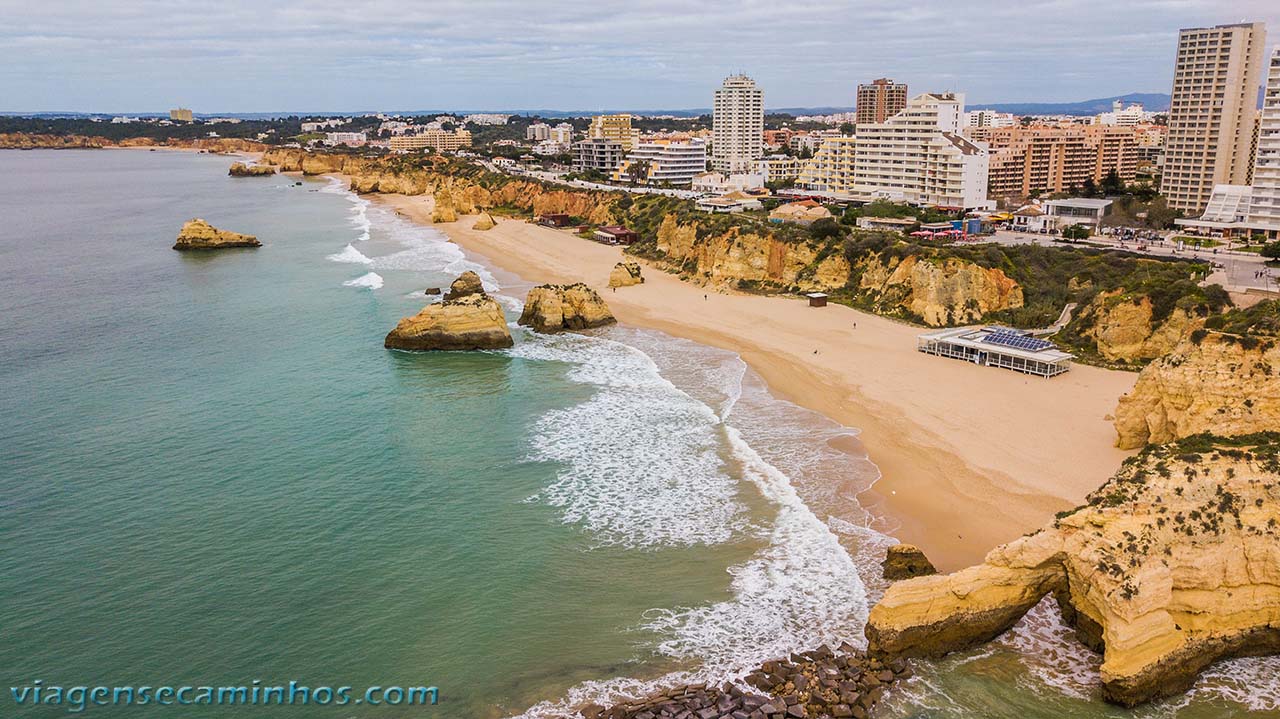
(276, 55)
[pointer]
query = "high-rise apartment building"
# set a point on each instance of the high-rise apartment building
(916, 156)
(181, 114)
(614, 127)
(1264, 208)
(1212, 112)
(879, 100)
(1040, 158)
(737, 125)
(538, 132)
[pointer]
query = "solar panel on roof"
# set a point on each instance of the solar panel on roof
(1008, 338)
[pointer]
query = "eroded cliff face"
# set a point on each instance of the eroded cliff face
(734, 257)
(30, 141)
(940, 293)
(1125, 331)
(1224, 384)
(454, 195)
(1173, 564)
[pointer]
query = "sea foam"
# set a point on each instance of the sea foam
(350, 254)
(372, 280)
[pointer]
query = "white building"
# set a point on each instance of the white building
(737, 125)
(538, 132)
(989, 118)
(394, 127)
(548, 148)
(321, 125)
(672, 162)
(1264, 210)
(562, 133)
(350, 139)
(1124, 116)
(717, 184)
(916, 156)
(486, 118)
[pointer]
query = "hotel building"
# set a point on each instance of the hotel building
(1264, 208)
(614, 127)
(737, 125)
(440, 140)
(1212, 112)
(1041, 158)
(879, 100)
(671, 162)
(597, 153)
(917, 156)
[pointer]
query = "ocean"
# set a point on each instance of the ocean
(214, 474)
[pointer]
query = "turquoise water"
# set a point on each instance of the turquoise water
(214, 473)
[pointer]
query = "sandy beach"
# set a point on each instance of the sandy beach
(970, 457)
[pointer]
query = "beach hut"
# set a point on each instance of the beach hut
(817, 299)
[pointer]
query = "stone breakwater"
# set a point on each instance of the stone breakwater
(820, 683)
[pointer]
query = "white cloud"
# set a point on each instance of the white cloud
(238, 55)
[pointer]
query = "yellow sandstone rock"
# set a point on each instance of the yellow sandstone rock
(552, 308)
(625, 274)
(197, 234)
(1223, 384)
(484, 222)
(1172, 564)
(467, 319)
(239, 169)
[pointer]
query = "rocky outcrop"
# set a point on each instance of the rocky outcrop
(1126, 331)
(552, 308)
(738, 259)
(1171, 565)
(484, 222)
(625, 274)
(200, 235)
(939, 292)
(466, 319)
(240, 169)
(1212, 382)
(904, 561)
(34, 141)
(819, 683)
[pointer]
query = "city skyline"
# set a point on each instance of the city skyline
(334, 56)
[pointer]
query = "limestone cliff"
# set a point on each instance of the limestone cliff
(1171, 565)
(552, 308)
(197, 234)
(466, 319)
(33, 141)
(1125, 329)
(736, 258)
(1213, 382)
(625, 274)
(458, 189)
(240, 169)
(939, 292)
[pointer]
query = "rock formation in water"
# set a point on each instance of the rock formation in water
(819, 683)
(904, 561)
(1171, 565)
(1212, 382)
(466, 319)
(552, 308)
(240, 169)
(200, 235)
(625, 274)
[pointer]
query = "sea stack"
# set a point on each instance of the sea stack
(1170, 566)
(552, 308)
(240, 169)
(197, 234)
(466, 319)
(484, 222)
(625, 274)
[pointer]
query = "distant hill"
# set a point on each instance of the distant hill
(1152, 101)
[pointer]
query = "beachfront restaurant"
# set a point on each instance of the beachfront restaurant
(995, 346)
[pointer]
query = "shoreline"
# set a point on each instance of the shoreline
(969, 457)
